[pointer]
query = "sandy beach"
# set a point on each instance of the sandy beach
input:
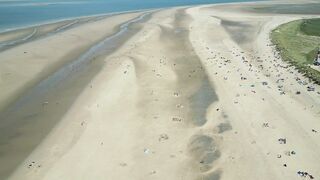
(184, 93)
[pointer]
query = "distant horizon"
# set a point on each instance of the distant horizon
(16, 14)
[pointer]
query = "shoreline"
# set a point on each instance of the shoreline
(115, 13)
(104, 15)
(31, 98)
(192, 92)
(14, 39)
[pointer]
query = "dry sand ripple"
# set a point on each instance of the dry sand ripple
(195, 93)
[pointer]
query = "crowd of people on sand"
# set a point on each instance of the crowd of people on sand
(273, 72)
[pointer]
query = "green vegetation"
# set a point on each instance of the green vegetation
(311, 27)
(306, 8)
(298, 42)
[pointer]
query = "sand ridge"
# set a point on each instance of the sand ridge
(188, 97)
(35, 91)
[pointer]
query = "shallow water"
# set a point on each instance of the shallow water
(15, 14)
(204, 150)
(201, 101)
(42, 31)
(25, 123)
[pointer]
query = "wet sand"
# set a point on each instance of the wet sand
(175, 94)
(36, 110)
(13, 38)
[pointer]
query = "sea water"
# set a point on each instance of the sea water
(17, 14)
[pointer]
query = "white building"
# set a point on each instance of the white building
(317, 59)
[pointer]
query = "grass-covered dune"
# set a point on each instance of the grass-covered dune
(311, 27)
(308, 8)
(298, 42)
